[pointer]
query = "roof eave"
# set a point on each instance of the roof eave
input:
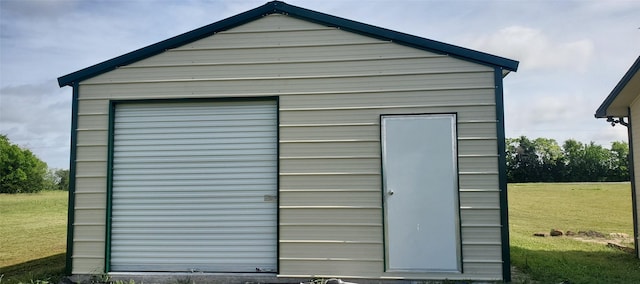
(399, 37)
(298, 12)
(601, 112)
(157, 48)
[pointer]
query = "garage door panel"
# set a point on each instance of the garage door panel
(173, 191)
(141, 229)
(194, 186)
(181, 183)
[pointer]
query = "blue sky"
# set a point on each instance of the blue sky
(571, 53)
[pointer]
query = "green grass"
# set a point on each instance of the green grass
(602, 207)
(50, 269)
(32, 235)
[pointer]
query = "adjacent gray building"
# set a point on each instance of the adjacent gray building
(622, 106)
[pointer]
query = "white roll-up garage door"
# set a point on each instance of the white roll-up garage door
(194, 187)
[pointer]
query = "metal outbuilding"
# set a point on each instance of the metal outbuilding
(288, 143)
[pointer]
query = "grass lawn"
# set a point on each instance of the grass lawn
(32, 235)
(602, 207)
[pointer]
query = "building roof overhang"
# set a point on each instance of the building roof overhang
(624, 93)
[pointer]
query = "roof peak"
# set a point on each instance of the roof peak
(297, 12)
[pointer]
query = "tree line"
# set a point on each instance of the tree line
(544, 160)
(21, 171)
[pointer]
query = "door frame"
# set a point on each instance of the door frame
(110, 152)
(458, 225)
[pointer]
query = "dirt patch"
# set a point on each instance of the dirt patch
(588, 234)
(620, 241)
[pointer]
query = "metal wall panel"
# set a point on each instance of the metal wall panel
(324, 51)
(328, 250)
(310, 233)
(337, 198)
(390, 97)
(93, 153)
(194, 187)
(272, 83)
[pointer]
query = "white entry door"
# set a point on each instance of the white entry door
(419, 160)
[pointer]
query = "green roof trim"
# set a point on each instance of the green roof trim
(601, 112)
(297, 12)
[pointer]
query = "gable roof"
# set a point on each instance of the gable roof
(622, 95)
(297, 12)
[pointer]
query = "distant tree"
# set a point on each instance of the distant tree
(523, 163)
(543, 160)
(552, 162)
(619, 170)
(597, 162)
(586, 162)
(574, 157)
(20, 170)
(62, 179)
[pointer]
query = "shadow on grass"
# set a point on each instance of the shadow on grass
(608, 266)
(50, 269)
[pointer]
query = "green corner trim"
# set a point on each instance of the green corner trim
(72, 181)
(382, 200)
(502, 176)
(277, 101)
(107, 243)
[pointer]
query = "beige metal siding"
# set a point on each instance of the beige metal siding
(90, 192)
(635, 131)
(333, 86)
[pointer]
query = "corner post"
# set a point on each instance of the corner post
(634, 196)
(72, 180)
(502, 177)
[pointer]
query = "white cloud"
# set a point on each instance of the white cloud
(38, 117)
(561, 116)
(535, 50)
